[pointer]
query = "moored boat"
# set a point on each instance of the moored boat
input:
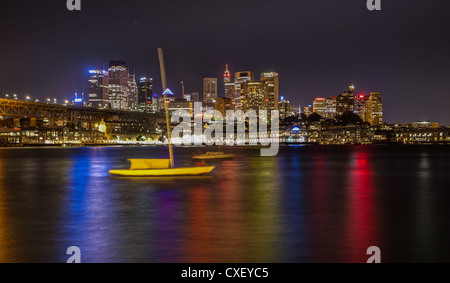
(213, 156)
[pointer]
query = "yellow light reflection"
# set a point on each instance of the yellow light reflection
(264, 223)
(6, 241)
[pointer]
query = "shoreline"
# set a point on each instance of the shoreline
(29, 146)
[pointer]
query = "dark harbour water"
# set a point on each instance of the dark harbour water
(308, 204)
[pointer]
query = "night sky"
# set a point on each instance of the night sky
(318, 47)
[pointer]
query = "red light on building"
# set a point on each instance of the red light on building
(362, 96)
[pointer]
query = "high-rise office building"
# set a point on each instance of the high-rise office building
(254, 95)
(98, 88)
(209, 89)
(145, 94)
(227, 75)
(230, 87)
(374, 109)
(331, 104)
(240, 79)
(360, 106)
(132, 103)
(286, 109)
(271, 82)
(209, 93)
(119, 85)
(319, 106)
(346, 101)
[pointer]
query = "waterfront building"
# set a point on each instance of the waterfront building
(425, 124)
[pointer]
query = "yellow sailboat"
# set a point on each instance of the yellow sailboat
(158, 168)
(161, 167)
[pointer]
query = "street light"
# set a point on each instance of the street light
(28, 98)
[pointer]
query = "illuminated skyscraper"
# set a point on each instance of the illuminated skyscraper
(209, 92)
(346, 101)
(230, 87)
(374, 109)
(319, 106)
(119, 85)
(145, 94)
(240, 79)
(285, 108)
(98, 88)
(330, 110)
(360, 106)
(254, 95)
(271, 82)
(227, 75)
(132, 103)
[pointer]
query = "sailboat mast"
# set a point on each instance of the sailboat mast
(166, 106)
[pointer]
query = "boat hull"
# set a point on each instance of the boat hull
(213, 157)
(189, 171)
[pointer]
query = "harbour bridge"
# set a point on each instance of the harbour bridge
(54, 113)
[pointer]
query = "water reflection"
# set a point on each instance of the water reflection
(308, 204)
(6, 239)
(424, 220)
(362, 226)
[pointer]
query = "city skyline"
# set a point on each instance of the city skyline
(235, 134)
(312, 62)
